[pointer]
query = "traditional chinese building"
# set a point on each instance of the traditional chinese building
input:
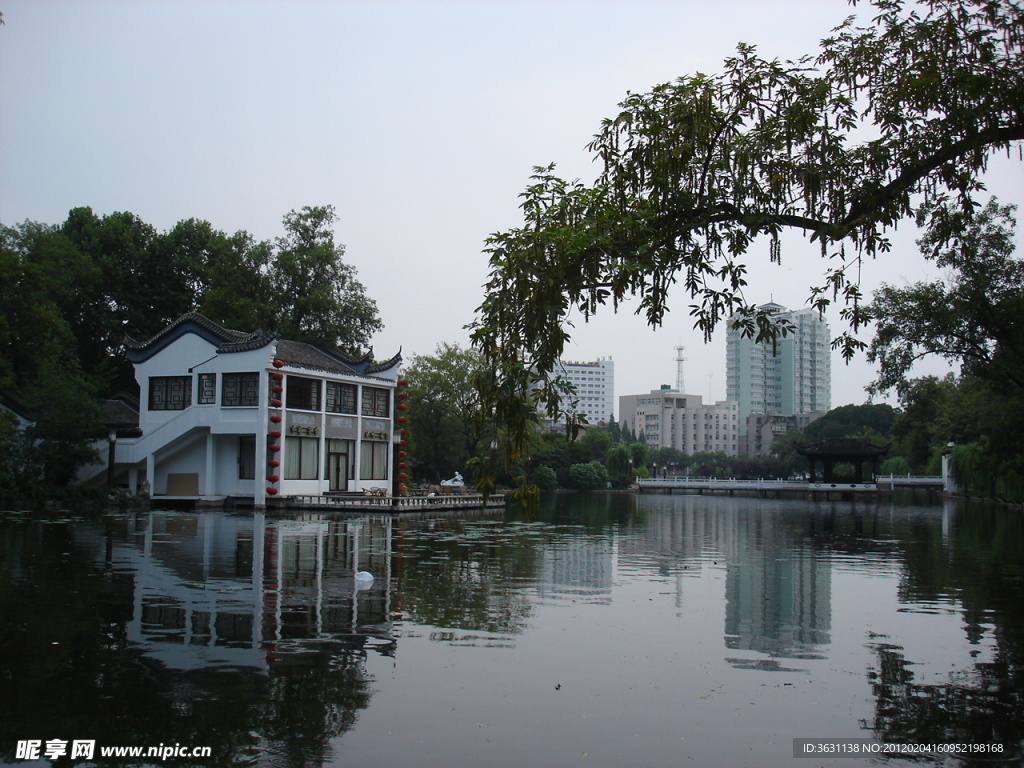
(226, 414)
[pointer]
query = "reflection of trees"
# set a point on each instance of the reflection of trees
(314, 697)
(985, 706)
(980, 566)
(468, 576)
(69, 671)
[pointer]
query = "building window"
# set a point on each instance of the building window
(373, 460)
(375, 403)
(341, 398)
(301, 458)
(170, 393)
(207, 388)
(240, 389)
(303, 394)
(247, 457)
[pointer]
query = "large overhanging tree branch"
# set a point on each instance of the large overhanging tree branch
(841, 146)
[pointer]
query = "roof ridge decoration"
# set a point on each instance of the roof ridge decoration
(305, 354)
(228, 340)
(385, 365)
(225, 339)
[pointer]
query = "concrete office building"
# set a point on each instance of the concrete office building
(667, 418)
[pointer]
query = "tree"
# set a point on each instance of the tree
(319, 297)
(45, 293)
(588, 477)
(852, 421)
(544, 478)
(596, 441)
(837, 146)
(236, 289)
(447, 427)
(976, 318)
(619, 463)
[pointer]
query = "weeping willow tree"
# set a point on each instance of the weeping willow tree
(903, 108)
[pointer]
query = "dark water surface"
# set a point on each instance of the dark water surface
(605, 630)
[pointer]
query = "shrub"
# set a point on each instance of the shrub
(588, 477)
(544, 477)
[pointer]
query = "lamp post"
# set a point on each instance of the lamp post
(111, 452)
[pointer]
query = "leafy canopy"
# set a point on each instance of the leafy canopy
(974, 318)
(840, 146)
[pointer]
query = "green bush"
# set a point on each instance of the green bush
(544, 477)
(588, 477)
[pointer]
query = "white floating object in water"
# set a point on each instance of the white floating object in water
(364, 576)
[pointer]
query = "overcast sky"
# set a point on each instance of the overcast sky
(420, 121)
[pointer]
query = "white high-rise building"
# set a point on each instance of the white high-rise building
(794, 377)
(595, 387)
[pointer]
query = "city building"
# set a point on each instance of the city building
(790, 378)
(763, 429)
(595, 387)
(668, 418)
(226, 414)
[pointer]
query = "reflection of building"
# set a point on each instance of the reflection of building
(225, 413)
(212, 588)
(778, 605)
(778, 594)
(578, 568)
(667, 418)
(778, 600)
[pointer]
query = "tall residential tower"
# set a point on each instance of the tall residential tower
(794, 377)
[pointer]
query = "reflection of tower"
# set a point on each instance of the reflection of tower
(778, 598)
(679, 369)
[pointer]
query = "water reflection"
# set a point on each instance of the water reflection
(252, 635)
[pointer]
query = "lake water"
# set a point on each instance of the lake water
(603, 630)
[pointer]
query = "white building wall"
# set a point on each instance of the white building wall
(198, 446)
(595, 387)
(666, 418)
(791, 379)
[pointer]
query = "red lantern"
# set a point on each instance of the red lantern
(400, 419)
(273, 463)
(402, 454)
(403, 395)
(402, 406)
(403, 382)
(276, 419)
(401, 431)
(275, 403)
(277, 389)
(273, 447)
(276, 376)
(274, 433)
(278, 363)
(271, 490)
(402, 476)
(272, 478)
(402, 465)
